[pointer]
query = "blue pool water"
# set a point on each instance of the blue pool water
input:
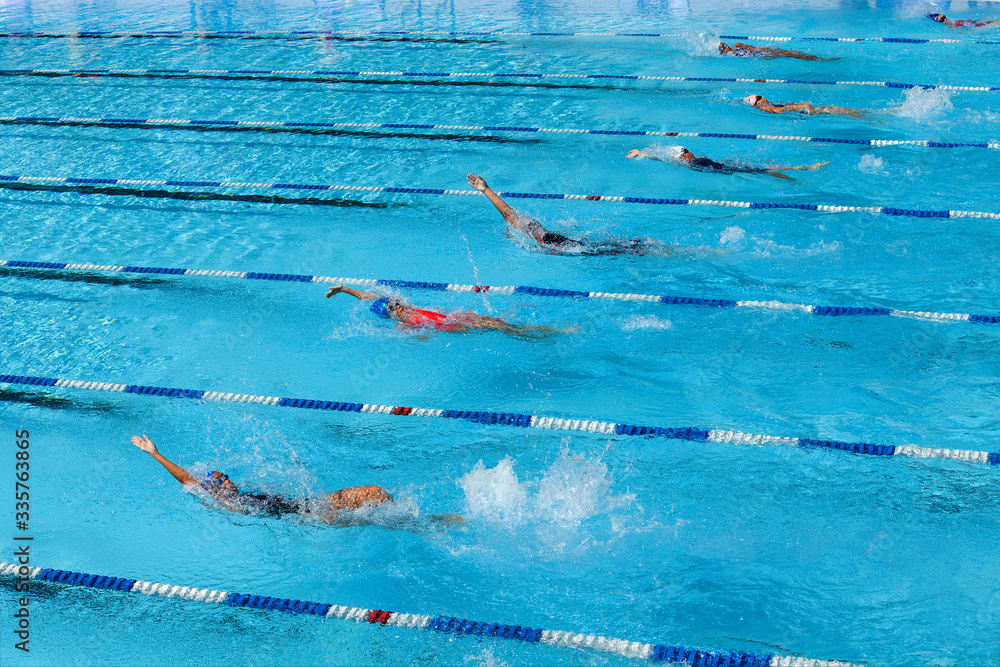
(792, 551)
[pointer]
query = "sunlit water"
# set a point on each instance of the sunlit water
(762, 549)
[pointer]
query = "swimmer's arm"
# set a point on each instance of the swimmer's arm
(179, 473)
(770, 108)
(508, 213)
(635, 152)
(800, 106)
(512, 217)
(357, 294)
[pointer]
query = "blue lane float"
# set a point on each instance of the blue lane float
(139, 183)
(13, 574)
(305, 73)
(372, 283)
(324, 34)
(691, 434)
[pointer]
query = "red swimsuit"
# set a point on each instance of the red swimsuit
(416, 317)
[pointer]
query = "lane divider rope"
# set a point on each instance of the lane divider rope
(322, 34)
(826, 208)
(692, 434)
(253, 73)
(440, 623)
(267, 124)
(833, 311)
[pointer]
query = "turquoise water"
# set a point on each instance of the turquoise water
(761, 549)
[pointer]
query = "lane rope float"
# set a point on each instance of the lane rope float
(319, 126)
(825, 208)
(693, 434)
(323, 34)
(440, 623)
(255, 73)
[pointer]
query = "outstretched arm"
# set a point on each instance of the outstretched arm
(479, 183)
(786, 53)
(179, 473)
(357, 294)
(522, 223)
(635, 152)
(776, 171)
(843, 111)
(798, 106)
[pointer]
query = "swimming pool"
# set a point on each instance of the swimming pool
(765, 549)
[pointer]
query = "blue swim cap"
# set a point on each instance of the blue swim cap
(212, 481)
(380, 308)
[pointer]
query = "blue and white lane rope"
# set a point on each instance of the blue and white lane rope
(369, 283)
(251, 73)
(323, 34)
(693, 434)
(825, 208)
(268, 124)
(446, 624)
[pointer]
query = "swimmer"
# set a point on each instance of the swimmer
(218, 485)
(962, 23)
(741, 50)
(702, 163)
(761, 103)
(417, 318)
(556, 243)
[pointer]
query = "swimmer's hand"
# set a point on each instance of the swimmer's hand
(634, 153)
(478, 182)
(333, 291)
(144, 443)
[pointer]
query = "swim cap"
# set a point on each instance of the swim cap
(212, 481)
(675, 152)
(380, 308)
(933, 17)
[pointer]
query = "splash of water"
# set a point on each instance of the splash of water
(731, 235)
(924, 105)
(487, 306)
(703, 44)
(770, 248)
(572, 490)
(871, 165)
(495, 493)
(645, 322)
(919, 9)
(485, 658)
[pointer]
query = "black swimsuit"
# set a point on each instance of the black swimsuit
(551, 238)
(744, 52)
(706, 164)
(561, 243)
(263, 503)
(564, 244)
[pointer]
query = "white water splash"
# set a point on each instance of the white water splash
(572, 490)
(924, 105)
(703, 44)
(872, 165)
(637, 322)
(485, 658)
(770, 248)
(495, 493)
(731, 235)
(919, 9)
